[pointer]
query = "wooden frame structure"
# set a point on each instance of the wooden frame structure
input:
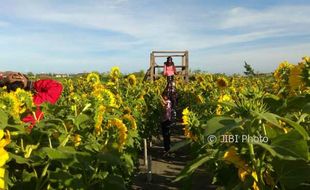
(151, 74)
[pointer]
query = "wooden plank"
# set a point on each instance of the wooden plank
(168, 51)
(168, 55)
(161, 66)
(186, 67)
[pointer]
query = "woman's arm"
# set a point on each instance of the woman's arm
(165, 70)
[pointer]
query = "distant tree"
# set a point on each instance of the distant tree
(30, 74)
(141, 73)
(249, 71)
(197, 71)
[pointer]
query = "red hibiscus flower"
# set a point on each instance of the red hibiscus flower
(33, 118)
(46, 91)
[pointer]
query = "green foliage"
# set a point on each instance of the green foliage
(249, 71)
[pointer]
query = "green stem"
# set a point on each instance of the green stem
(252, 153)
(45, 170)
(75, 111)
(264, 130)
(64, 142)
(256, 165)
(50, 142)
(64, 125)
(22, 144)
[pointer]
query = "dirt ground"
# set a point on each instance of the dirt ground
(165, 169)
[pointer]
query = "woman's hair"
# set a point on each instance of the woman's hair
(169, 63)
(14, 86)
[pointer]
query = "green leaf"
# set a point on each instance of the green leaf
(19, 128)
(292, 174)
(298, 103)
(189, 169)
(114, 182)
(291, 144)
(81, 118)
(19, 159)
(59, 153)
(273, 132)
(269, 117)
(179, 145)
(273, 102)
(298, 127)
(306, 108)
(108, 157)
(287, 147)
(273, 119)
(28, 176)
(220, 125)
(66, 179)
(3, 119)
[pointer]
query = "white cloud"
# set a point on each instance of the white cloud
(277, 16)
(173, 29)
(137, 30)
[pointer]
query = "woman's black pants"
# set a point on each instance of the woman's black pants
(165, 126)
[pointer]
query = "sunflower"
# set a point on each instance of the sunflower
(122, 131)
(306, 71)
(127, 110)
(132, 80)
(222, 98)
(222, 82)
(295, 78)
(306, 59)
(185, 116)
(231, 157)
(281, 74)
(25, 99)
(98, 119)
(200, 99)
(199, 78)
(93, 78)
(189, 134)
(102, 94)
(187, 128)
(110, 96)
(110, 83)
(4, 155)
(131, 119)
(243, 173)
(115, 73)
(10, 102)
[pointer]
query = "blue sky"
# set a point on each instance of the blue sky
(94, 35)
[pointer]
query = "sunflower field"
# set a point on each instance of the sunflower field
(248, 132)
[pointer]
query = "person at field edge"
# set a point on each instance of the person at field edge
(166, 122)
(45, 90)
(169, 69)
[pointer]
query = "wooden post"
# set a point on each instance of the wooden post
(183, 66)
(145, 153)
(186, 66)
(152, 66)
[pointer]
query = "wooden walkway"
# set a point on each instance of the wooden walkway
(165, 169)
